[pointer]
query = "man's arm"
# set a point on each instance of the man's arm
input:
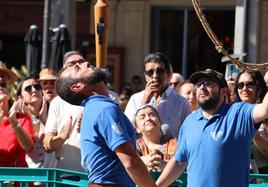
(171, 172)
(260, 111)
(53, 141)
(134, 165)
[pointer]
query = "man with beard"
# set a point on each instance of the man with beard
(62, 128)
(107, 136)
(172, 108)
(215, 141)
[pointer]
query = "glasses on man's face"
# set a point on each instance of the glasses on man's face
(30, 87)
(174, 83)
(250, 84)
(73, 63)
(158, 71)
(204, 83)
(3, 85)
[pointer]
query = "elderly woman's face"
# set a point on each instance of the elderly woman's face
(147, 120)
(31, 91)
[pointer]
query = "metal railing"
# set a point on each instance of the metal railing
(54, 177)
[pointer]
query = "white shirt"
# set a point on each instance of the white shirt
(59, 113)
(172, 110)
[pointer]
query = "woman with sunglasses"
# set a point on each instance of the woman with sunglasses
(16, 134)
(30, 91)
(250, 87)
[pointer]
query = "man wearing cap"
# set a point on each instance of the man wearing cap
(215, 141)
(6, 75)
(47, 78)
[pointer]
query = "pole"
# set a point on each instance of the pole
(44, 62)
(185, 43)
(101, 12)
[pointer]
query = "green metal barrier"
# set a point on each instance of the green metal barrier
(52, 177)
(257, 180)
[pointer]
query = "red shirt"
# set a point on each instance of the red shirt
(11, 152)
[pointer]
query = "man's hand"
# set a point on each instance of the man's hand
(54, 141)
(154, 161)
(67, 129)
(150, 89)
(43, 111)
(79, 121)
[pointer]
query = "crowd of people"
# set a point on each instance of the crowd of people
(205, 124)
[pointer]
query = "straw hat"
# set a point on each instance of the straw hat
(12, 77)
(47, 74)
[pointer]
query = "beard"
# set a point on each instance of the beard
(210, 103)
(97, 76)
(63, 86)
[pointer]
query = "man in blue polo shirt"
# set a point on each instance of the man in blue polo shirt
(107, 136)
(214, 142)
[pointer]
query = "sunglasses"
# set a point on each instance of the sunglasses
(35, 86)
(204, 83)
(158, 71)
(174, 83)
(250, 84)
(73, 63)
(3, 85)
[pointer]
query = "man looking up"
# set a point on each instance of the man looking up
(107, 136)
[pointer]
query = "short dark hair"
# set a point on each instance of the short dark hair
(157, 57)
(63, 87)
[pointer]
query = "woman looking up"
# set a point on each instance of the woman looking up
(16, 132)
(154, 148)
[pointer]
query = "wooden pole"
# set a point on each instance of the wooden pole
(45, 44)
(101, 12)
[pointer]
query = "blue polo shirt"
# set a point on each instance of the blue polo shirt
(217, 150)
(104, 127)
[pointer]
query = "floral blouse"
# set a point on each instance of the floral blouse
(168, 147)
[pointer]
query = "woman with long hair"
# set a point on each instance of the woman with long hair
(30, 91)
(250, 87)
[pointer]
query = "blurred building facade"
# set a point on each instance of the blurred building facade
(138, 27)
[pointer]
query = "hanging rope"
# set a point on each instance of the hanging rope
(218, 45)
